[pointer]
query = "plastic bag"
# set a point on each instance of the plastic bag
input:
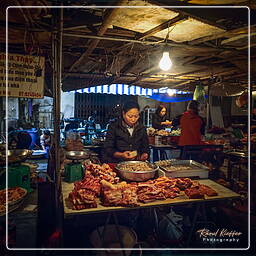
(170, 227)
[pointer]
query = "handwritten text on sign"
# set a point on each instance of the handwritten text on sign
(25, 76)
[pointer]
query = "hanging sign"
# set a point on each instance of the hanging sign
(25, 76)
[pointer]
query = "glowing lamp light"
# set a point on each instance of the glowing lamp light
(165, 62)
(171, 92)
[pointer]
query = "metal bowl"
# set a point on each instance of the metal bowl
(38, 154)
(16, 155)
(136, 175)
(77, 155)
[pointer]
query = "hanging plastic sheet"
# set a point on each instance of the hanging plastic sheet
(164, 97)
(199, 95)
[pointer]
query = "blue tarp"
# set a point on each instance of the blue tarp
(164, 97)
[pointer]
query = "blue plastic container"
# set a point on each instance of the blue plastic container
(35, 138)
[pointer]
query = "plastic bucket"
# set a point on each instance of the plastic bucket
(112, 239)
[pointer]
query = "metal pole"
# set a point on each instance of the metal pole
(57, 73)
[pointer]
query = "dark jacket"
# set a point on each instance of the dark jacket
(157, 120)
(118, 139)
(22, 139)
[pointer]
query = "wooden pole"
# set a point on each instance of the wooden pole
(208, 114)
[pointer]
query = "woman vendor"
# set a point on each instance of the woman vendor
(126, 137)
(160, 122)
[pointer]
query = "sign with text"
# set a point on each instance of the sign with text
(25, 76)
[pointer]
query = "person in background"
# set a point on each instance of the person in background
(159, 120)
(192, 125)
(126, 138)
(18, 139)
(45, 141)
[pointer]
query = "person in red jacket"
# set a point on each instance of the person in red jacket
(192, 126)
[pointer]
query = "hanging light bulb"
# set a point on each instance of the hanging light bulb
(165, 62)
(171, 92)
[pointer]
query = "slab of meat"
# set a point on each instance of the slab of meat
(149, 192)
(171, 192)
(90, 183)
(183, 183)
(194, 193)
(122, 194)
(14, 194)
(165, 182)
(85, 192)
(158, 189)
(200, 191)
(82, 199)
(103, 172)
(208, 191)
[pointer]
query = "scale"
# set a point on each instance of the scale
(18, 174)
(74, 171)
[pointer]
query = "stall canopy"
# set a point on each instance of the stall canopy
(124, 89)
(162, 94)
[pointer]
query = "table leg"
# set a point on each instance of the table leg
(193, 224)
(156, 220)
(229, 174)
(204, 212)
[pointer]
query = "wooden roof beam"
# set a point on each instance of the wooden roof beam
(196, 17)
(178, 19)
(246, 46)
(192, 72)
(229, 33)
(231, 59)
(75, 27)
(203, 20)
(194, 60)
(180, 84)
(235, 38)
(110, 16)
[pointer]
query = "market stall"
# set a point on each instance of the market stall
(150, 53)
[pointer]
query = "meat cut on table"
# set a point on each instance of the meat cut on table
(101, 182)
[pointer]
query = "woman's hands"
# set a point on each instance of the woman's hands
(144, 157)
(127, 155)
(167, 122)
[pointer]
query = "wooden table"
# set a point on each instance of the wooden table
(223, 193)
